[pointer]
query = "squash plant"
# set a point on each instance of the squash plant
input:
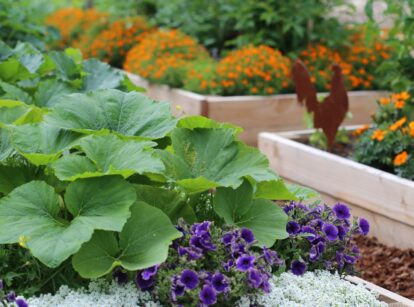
(95, 174)
(37, 78)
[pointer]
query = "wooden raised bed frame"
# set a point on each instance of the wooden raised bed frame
(254, 113)
(386, 200)
(391, 298)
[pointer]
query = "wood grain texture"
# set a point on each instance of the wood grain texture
(387, 200)
(385, 295)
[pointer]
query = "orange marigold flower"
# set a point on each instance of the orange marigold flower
(399, 104)
(401, 158)
(254, 70)
(378, 135)
(72, 22)
(160, 55)
(398, 124)
(384, 101)
(114, 42)
(361, 130)
(411, 126)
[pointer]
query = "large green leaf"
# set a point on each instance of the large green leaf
(171, 202)
(237, 207)
(15, 93)
(192, 122)
(130, 114)
(100, 76)
(143, 242)
(109, 155)
(29, 56)
(65, 65)
(6, 150)
(12, 70)
(31, 214)
(49, 91)
(18, 113)
(41, 143)
(206, 158)
(303, 193)
(12, 176)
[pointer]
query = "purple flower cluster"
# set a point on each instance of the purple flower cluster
(145, 279)
(10, 297)
(321, 237)
(209, 265)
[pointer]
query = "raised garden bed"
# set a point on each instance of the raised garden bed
(386, 200)
(254, 113)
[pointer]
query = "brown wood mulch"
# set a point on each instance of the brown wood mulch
(387, 267)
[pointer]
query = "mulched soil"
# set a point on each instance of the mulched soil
(387, 267)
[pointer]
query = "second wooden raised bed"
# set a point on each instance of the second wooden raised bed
(254, 113)
(386, 200)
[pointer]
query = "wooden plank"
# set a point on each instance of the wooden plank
(371, 189)
(385, 295)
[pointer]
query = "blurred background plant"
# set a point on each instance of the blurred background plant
(398, 71)
(220, 25)
(162, 55)
(112, 44)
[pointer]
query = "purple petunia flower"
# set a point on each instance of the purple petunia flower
(150, 272)
(321, 247)
(189, 279)
(120, 276)
(355, 249)
(266, 285)
(288, 208)
(297, 267)
(339, 257)
(144, 284)
(21, 303)
(254, 278)
(228, 265)
(271, 257)
(318, 223)
(200, 228)
(228, 238)
(245, 262)
(11, 296)
(341, 211)
(247, 235)
(177, 288)
(314, 253)
(192, 253)
(349, 259)
(1, 284)
(219, 282)
(342, 231)
(202, 242)
(330, 231)
(292, 227)
(363, 226)
(207, 295)
(310, 231)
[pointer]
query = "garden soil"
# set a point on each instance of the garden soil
(387, 267)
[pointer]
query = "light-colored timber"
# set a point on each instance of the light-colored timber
(386, 200)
